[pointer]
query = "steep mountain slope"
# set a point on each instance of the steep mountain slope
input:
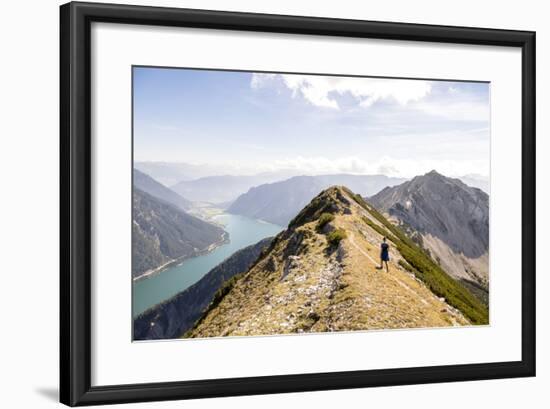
(279, 202)
(178, 314)
(448, 218)
(149, 185)
(320, 275)
(162, 233)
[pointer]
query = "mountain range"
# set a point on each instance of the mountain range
(216, 189)
(321, 274)
(163, 233)
(149, 185)
(170, 173)
(448, 218)
(279, 202)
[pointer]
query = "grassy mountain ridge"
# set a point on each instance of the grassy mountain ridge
(320, 275)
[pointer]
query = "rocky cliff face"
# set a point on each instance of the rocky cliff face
(178, 314)
(321, 275)
(448, 218)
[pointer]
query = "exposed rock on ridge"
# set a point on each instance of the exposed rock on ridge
(316, 278)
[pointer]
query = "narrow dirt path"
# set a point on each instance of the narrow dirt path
(352, 241)
(387, 300)
(398, 281)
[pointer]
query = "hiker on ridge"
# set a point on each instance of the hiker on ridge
(384, 255)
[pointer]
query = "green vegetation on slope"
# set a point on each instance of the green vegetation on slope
(216, 299)
(324, 219)
(336, 236)
(228, 285)
(311, 212)
(406, 266)
(425, 269)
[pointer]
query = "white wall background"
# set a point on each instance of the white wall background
(29, 153)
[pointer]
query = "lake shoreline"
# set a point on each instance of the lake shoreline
(180, 274)
(149, 273)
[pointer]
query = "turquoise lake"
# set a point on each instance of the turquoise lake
(243, 232)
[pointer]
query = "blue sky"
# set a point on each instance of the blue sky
(247, 123)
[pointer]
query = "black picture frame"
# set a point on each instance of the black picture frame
(76, 199)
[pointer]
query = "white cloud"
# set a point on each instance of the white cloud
(320, 165)
(386, 165)
(260, 80)
(320, 90)
(457, 110)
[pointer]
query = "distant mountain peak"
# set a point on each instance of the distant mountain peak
(433, 175)
(433, 180)
(451, 217)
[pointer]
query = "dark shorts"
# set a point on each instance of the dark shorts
(385, 256)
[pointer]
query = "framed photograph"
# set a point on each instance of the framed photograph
(259, 204)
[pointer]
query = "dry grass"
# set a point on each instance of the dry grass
(321, 288)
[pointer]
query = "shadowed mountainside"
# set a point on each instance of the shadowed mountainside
(445, 216)
(163, 233)
(178, 314)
